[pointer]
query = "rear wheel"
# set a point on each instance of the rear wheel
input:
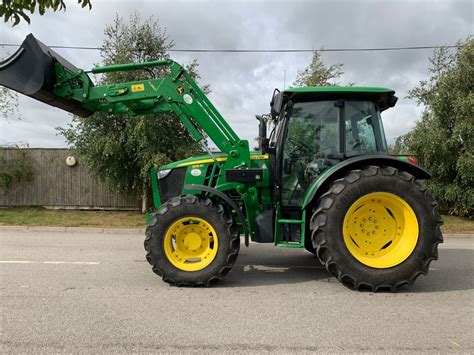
(191, 242)
(377, 228)
(308, 245)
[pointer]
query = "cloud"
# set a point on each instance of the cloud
(242, 84)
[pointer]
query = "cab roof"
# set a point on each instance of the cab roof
(341, 89)
(383, 97)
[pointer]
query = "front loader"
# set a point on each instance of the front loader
(323, 180)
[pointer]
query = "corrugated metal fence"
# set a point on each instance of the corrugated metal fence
(54, 184)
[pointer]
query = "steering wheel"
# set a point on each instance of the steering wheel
(301, 149)
(299, 145)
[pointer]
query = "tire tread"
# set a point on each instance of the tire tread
(225, 219)
(320, 216)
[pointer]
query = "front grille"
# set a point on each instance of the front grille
(172, 184)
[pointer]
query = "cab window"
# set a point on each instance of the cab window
(364, 132)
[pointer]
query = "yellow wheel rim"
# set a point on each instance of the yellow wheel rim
(191, 244)
(380, 230)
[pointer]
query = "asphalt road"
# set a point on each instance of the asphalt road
(94, 293)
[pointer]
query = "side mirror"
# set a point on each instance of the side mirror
(262, 127)
(276, 103)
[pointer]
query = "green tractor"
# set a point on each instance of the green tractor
(322, 180)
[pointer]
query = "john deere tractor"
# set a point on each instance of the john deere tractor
(322, 180)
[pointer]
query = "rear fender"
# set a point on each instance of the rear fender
(319, 186)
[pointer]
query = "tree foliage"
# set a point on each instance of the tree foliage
(443, 139)
(120, 149)
(17, 168)
(8, 103)
(15, 10)
(317, 73)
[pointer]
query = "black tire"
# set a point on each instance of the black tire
(186, 206)
(327, 222)
(308, 245)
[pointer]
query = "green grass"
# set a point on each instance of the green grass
(68, 218)
(127, 219)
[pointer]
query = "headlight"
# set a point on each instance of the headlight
(163, 173)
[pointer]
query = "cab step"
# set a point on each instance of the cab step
(290, 244)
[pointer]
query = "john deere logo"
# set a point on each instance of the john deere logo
(180, 90)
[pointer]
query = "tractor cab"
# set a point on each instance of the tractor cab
(316, 128)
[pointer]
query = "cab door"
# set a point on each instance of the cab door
(311, 138)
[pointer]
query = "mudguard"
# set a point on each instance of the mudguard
(228, 200)
(319, 186)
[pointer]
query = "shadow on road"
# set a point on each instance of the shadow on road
(267, 265)
(452, 272)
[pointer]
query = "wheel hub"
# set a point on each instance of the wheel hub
(380, 230)
(190, 244)
(192, 241)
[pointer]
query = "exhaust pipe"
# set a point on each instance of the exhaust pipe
(31, 72)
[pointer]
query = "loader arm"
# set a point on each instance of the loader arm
(37, 71)
(177, 93)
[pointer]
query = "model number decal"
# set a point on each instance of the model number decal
(137, 87)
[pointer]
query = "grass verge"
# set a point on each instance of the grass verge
(71, 218)
(127, 219)
(454, 224)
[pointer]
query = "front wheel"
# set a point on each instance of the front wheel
(376, 228)
(191, 242)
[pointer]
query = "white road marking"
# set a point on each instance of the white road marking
(49, 262)
(278, 268)
(72, 262)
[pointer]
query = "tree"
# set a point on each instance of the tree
(318, 74)
(18, 167)
(119, 149)
(14, 10)
(8, 103)
(443, 139)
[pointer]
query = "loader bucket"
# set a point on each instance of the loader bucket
(31, 71)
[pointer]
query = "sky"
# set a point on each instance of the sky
(242, 83)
